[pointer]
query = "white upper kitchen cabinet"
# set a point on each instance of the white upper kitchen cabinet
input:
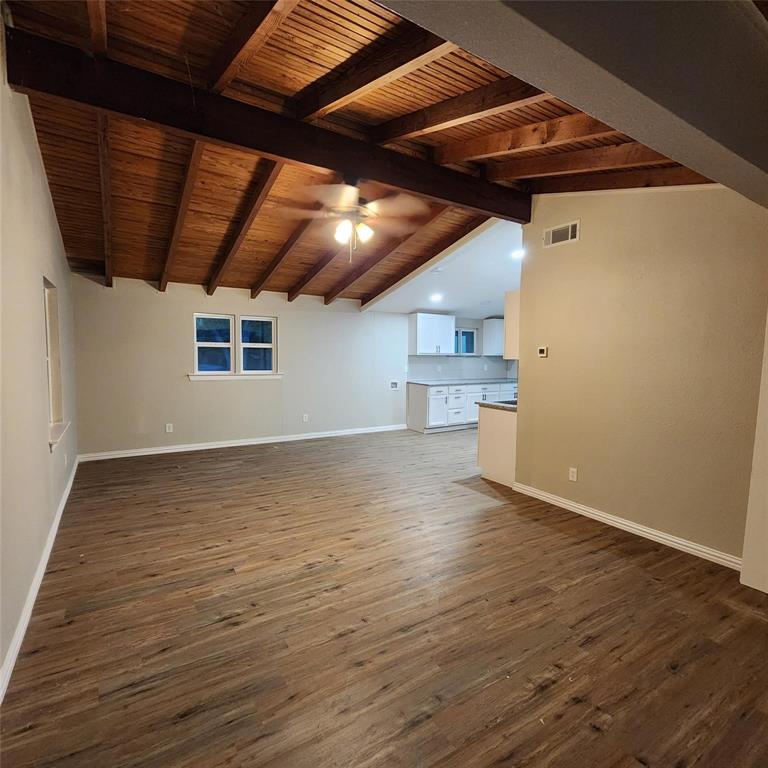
(512, 325)
(430, 334)
(493, 337)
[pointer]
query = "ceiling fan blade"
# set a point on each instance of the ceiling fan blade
(399, 205)
(394, 227)
(302, 213)
(334, 195)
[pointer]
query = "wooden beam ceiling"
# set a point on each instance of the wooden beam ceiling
(647, 177)
(267, 179)
(281, 256)
(97, 23)
(440, 246)
(300, 286)
(492, 99)
(549, 133)
(105, 190)
(181, 212)
(39, 65)
(259, 22)
(629, 155)
(374, 67)
(363, 269)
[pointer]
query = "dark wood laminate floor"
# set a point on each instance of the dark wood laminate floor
(370, 601)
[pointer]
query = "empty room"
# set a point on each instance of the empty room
(383, 384)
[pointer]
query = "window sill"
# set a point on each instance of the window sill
(233, 376)
(56, 432)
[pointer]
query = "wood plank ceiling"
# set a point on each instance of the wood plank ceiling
(140, 193)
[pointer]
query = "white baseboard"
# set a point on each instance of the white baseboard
(183, 447)
(21, 627)
(691, 547)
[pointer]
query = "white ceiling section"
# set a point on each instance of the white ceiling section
(471, 280)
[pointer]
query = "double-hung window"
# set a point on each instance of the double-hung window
(214, 343)
(257, 344)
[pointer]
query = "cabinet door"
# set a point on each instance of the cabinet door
(493, 337)
(437, 412)
(472, 407)
(445, 332)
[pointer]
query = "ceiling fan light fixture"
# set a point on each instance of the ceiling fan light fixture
(343, 232)
(364, 232)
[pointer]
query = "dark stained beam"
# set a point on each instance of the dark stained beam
(181, 212)
(435, 250)
(492, 99)
(281, 256)
(313, 272)
(259, 22)
(630, 155)
(35, 64)
(97, 22)
(374, 67)
(650, 177)
(259, 195)
(363, 269)
(105, 187)
(549, 133)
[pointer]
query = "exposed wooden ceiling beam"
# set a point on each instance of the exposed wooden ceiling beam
(374, 67)
(259, 22)
(630, 155)
(647, 177)
(97, 22)
(259, 195)
(105, 188)
(550, 133)
(282, 255)
(313, 272)
(363, 269)
(35, 64)
(436, 249)
(181, 212)
(492, 99)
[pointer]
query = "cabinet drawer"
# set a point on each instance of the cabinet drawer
(457, 389)
(438, 391)
(456, 415)
(507, 388)
(488, 388)
(457, 401)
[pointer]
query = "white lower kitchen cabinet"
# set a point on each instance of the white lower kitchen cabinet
(454, 405)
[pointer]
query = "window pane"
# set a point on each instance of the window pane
(214, 329)
(468, 342)
(214, 359)
(456, 347)
(257, 359)
(257, 331)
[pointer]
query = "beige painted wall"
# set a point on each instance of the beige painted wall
(655, 321)
(134, 349)
(33, 479)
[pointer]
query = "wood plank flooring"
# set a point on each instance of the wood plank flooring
(369, 601)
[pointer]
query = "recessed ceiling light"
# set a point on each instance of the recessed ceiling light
(437, 269)
(436, 297)
(518, 254)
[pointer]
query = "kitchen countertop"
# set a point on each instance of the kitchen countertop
(499, 406)
(454, 382)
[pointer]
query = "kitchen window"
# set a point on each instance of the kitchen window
(465, 341)
(257, 344)
(214, 343)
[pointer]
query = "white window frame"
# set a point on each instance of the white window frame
(457, 336)
(251, 345)
(231, 343)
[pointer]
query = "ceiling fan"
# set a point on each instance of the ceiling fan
(358, 218)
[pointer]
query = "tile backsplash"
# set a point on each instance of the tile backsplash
(454, 367)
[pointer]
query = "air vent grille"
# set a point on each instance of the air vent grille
(564, 233)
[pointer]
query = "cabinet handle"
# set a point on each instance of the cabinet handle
(446, 400)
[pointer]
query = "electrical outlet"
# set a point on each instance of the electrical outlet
(543, 351)
(169, 427)
(573, 474)
(305, 418)
(485, 366)
(394, 385)
(439, 368)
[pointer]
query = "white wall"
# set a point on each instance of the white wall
(33, 480)
(134, 349)
(655, 321)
